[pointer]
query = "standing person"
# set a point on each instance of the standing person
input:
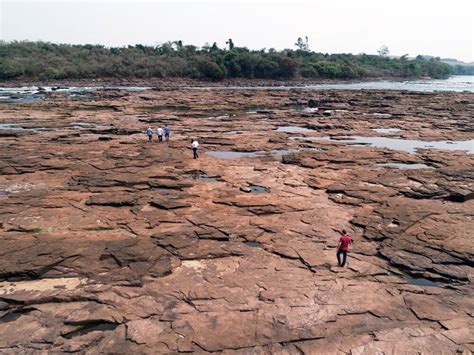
(149, 133)
(167, 134)
(159, 132)
(343, 247)
(194, 147)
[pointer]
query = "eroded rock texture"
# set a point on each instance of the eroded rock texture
(113, 244)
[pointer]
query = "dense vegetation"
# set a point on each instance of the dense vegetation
(463, 70)
(45, 61)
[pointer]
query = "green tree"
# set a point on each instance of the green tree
(302, 45)
(383, 51)
(48, 61)
(230, 43)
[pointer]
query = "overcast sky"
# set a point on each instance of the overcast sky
(440, 28)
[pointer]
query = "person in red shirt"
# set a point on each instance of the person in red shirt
(343, 247)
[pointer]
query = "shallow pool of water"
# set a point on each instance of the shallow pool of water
(221, 117)
(87, 125)
(256, 189)
(21, 99)
(92, 327)
(423, 282)
(230, 155)
(15, 127)
(387, 130)
(281, 152)
(301, 108)
(293, 129)
(406, 145)
(253, 244)
(378, 114)
(403, 166)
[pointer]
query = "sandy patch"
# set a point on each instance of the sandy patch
(42, 285)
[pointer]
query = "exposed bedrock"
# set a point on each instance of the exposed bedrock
(113, 244)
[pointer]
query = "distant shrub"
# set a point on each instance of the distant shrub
(207, 69)
(309, 71)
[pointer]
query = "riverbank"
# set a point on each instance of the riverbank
(186, 82)
(27, 92)
(114, 244)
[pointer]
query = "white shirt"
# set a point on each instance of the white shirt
(160, 131)
(195, 144)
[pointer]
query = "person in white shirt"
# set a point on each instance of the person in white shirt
(159, 132)
(194, 147)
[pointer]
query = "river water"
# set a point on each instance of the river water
(456, 83)
(459, 83)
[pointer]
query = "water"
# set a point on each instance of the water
(14, 127)
(301, 108)
(167, 107)
(28, 94)
(404, 166)
(93, 327)
(293, 107)
(387, 130)
(10, 317)
(87, 125)
(258, 189)
(21, 99)
(221, 117)
(407, 145)
(293, 129)
(253, 244)
(231, 155)
(456, 83)
(378, 114)
(72, 89)
(82, 96)
(423, 282)
(9, 127)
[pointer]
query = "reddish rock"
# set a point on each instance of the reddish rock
(112, 244)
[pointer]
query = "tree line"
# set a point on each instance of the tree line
(49, 61)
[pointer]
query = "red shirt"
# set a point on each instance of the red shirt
(345, 240)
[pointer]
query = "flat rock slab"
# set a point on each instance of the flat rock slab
(113, 244)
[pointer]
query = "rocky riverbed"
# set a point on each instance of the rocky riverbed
(110, 243)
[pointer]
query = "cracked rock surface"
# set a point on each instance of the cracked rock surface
(113, 244)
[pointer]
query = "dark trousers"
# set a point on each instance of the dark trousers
(167, 137)
(149, 138)
(344, 257)
(160, 139)
(195, 153)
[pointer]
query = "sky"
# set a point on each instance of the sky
(428, 27)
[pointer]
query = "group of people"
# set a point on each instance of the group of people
(167, 132)
(159, 132)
